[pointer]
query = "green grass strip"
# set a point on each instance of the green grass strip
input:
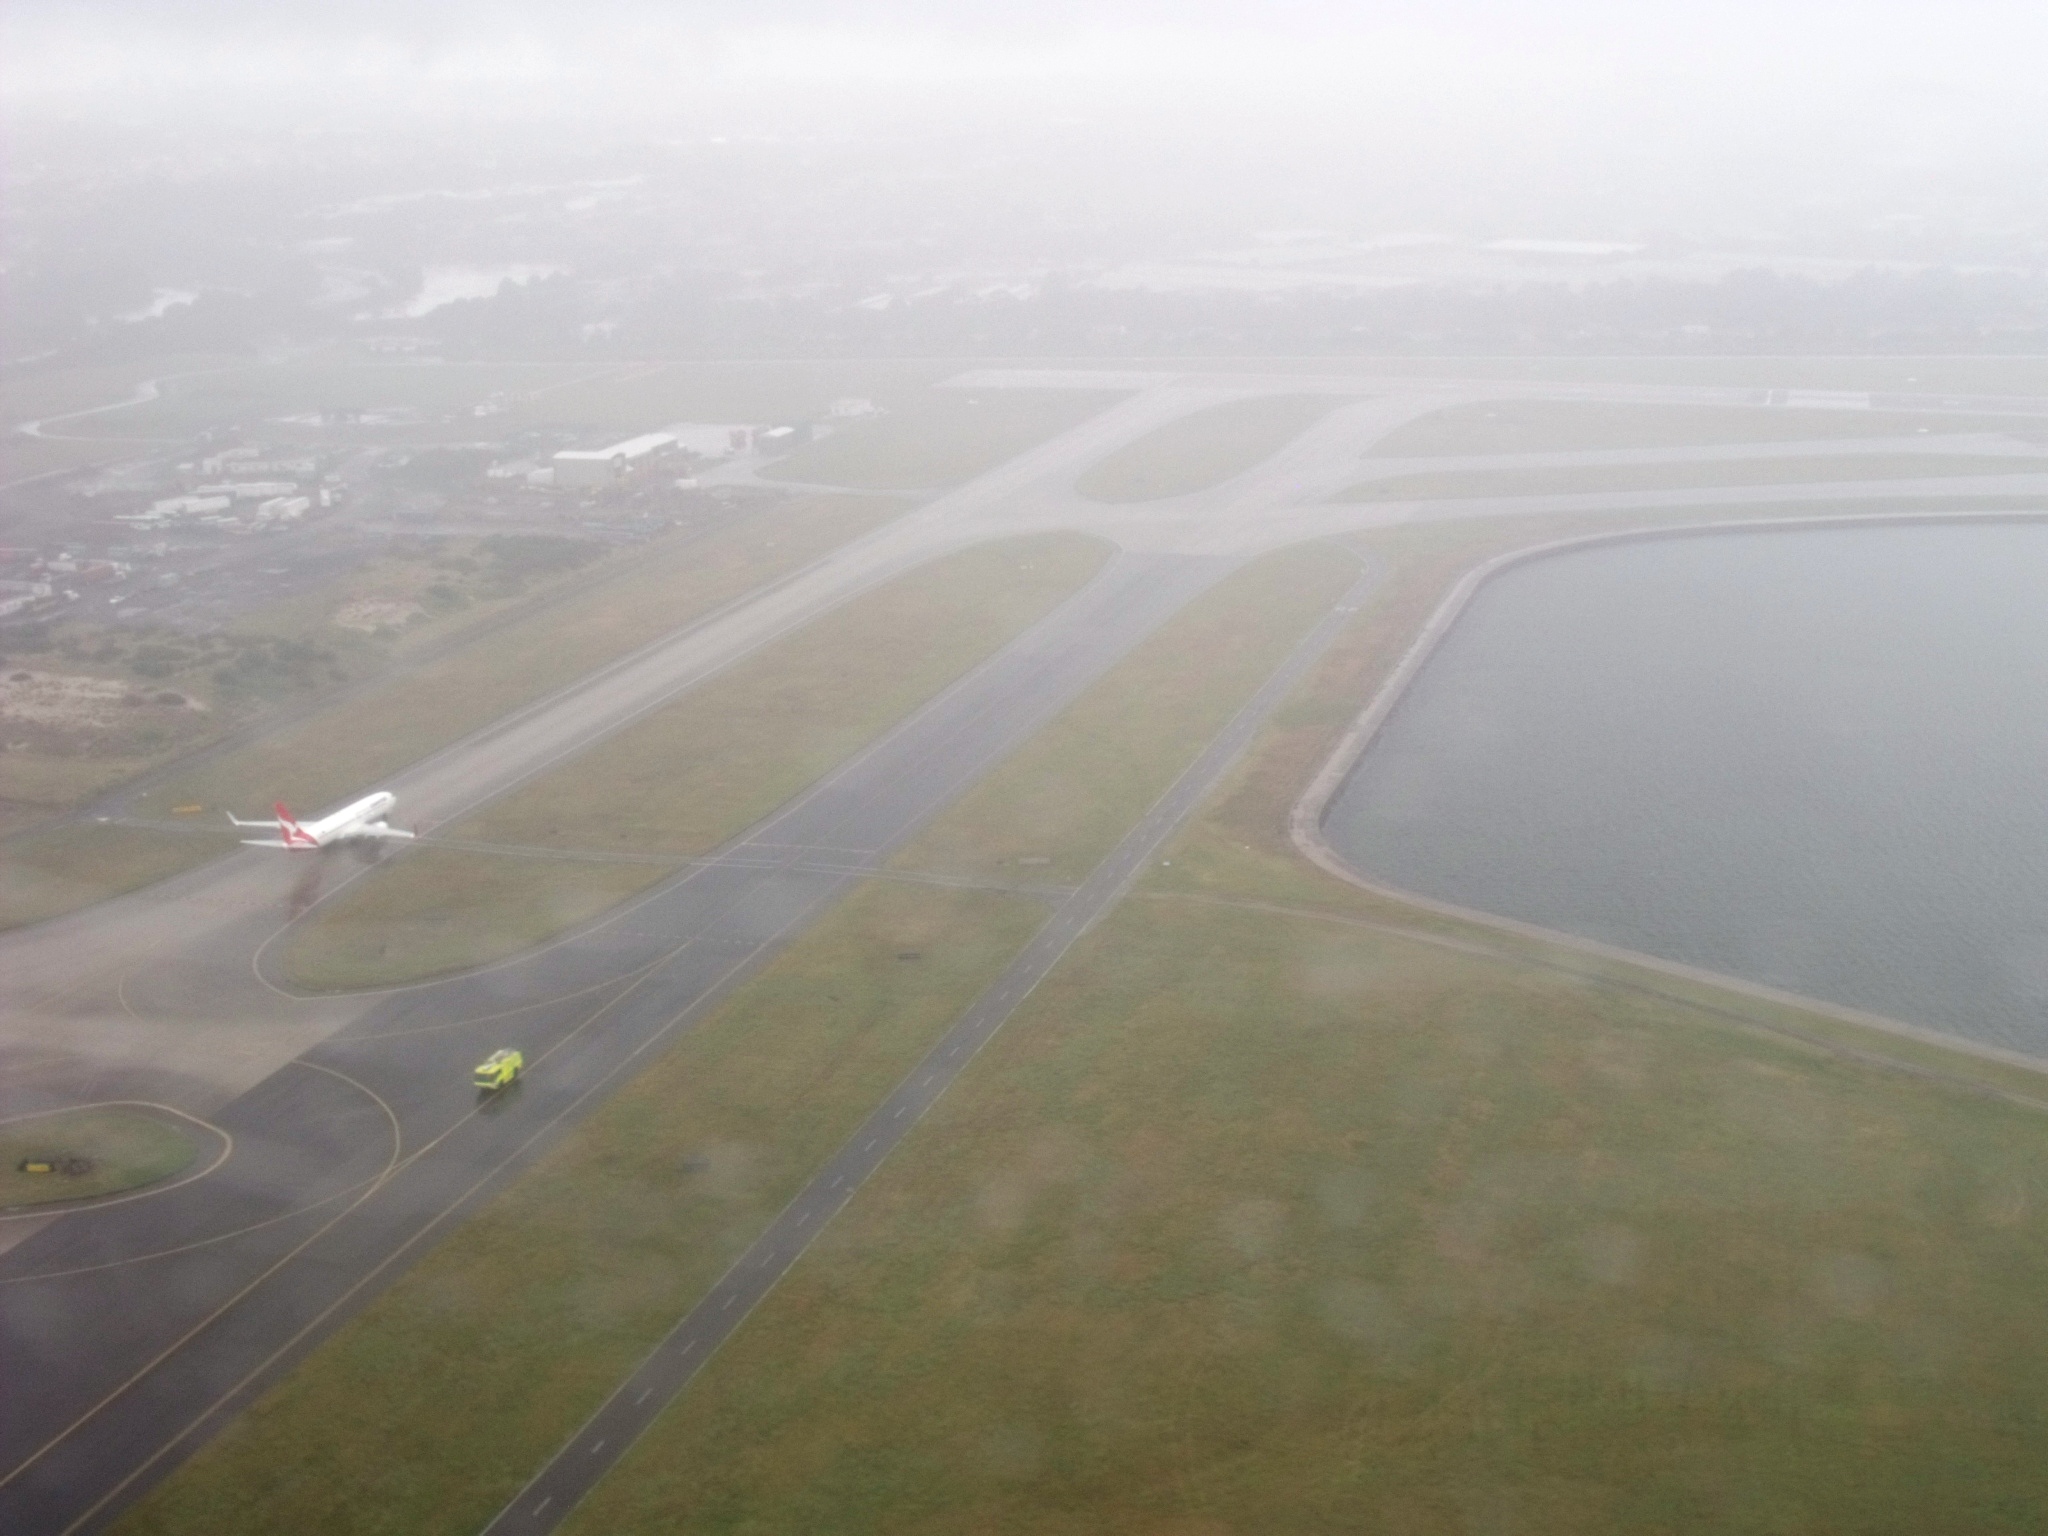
(1254, 1223)
(45, 874)
(93, 1152)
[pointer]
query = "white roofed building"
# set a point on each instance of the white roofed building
(712, 439)
(603, 466)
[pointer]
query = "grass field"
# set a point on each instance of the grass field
(1597, 478)
(288, 656)
(1556, 426)
(126, 1148)
(256, 395)
(29, 458)
(437, 910)
(1203, 449)
(421, 594)
(1250, 1223)
(1066, 796)
(939, 437)
(43, 874)
(33, 396)
(689, 776)
(515, 1327)
(34, 787)
(342, 750)
(640, 397)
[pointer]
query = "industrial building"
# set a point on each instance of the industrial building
(606, 466)
(711, 439)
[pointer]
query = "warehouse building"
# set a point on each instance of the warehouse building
(606, 466)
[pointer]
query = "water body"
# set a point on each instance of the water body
(1813, 759)
(451, 285)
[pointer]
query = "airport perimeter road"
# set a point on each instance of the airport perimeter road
(132, 1331)
(575, 1469)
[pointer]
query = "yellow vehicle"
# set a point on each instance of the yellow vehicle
(498, 1069)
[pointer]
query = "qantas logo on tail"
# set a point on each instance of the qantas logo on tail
(362, 820)
(293, 834)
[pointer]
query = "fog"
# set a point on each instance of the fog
(1173, 745)
(1303, 153)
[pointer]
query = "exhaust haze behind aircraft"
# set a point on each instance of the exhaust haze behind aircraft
(364, 818)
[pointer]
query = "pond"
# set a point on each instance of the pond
(1814, 759)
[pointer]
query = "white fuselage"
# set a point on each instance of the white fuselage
(362, 818)
(351, 820)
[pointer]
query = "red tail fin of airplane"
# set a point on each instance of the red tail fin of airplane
(289, 829)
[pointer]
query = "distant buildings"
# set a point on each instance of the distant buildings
(212, 506)
(703, 440)
(15, 596)
(605, 466)
(226, 460)
(173, 508)
(712, 440)
(249, 490)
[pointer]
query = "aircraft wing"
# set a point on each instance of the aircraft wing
(383, 829)
(271, 842)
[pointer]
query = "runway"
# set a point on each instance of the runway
(575, 1469)
(133, 1331)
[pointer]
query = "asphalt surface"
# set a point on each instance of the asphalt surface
(131, 1331)
(596, 1448)
(349, 1162)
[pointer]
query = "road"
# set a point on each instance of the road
(134, 1330)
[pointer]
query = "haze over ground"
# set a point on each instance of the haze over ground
(918, 178)
(863, 544)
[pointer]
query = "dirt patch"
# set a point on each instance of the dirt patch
(53, 698)
(73, 701)
(370, 614)
(65, 715)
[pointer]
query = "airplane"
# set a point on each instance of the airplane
(365, 818)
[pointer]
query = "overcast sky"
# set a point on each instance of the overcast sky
(1758, 48)
(1586, 94)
